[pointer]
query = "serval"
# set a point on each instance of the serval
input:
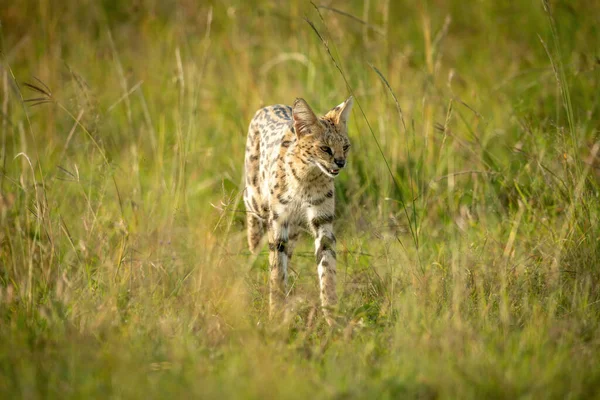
(292, 158)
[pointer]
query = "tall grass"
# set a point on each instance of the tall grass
(467, 217)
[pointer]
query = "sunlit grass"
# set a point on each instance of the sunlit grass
(467, 219)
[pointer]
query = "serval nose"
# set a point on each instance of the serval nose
(340, 162)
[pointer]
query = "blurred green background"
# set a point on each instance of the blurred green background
(467, 218)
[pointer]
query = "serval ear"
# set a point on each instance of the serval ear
(305, 120)
(342, 111)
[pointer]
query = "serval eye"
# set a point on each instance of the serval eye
(327, 150)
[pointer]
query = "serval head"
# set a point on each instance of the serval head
(323, 141)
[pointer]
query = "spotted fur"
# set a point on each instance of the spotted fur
(292, 158)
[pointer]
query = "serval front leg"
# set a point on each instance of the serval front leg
(278, 260)
(321, 223)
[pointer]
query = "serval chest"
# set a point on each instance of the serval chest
(292, 158)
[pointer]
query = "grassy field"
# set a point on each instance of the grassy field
(467, 220)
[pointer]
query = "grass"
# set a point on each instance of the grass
(467, 219)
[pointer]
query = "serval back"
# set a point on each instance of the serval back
(292, 158)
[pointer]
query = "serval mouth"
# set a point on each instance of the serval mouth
(330, 172)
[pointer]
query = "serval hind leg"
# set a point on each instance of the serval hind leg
(255, 230)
